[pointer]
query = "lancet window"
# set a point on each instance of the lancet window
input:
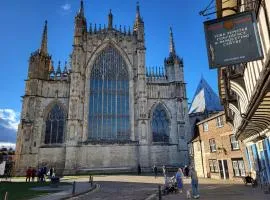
(55, 126)
(109, 97)
(160, 125)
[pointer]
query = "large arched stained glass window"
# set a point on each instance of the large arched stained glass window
(160, 125)
(109, 97)
(55, 123)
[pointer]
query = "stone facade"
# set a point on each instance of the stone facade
(70, 91)
(222, 153)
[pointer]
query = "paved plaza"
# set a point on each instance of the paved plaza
(143, 187)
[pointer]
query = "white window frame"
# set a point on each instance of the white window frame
(234, 143)
(213, 165)
(212, 144)
(219, 121)
(205, 126)
(238, 167)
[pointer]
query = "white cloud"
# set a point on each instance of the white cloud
(66, 7)
(9, 118)
(7, 145)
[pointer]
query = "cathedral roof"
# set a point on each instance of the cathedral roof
(205, 99)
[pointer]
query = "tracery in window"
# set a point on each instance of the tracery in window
(109, 97)
(160, 125)
(55, 123)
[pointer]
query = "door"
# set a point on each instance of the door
(221, 169)
(226, 169)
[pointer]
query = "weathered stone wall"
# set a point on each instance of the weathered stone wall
(52, 157)
(198, 161)
(40, 96)
(117, 157)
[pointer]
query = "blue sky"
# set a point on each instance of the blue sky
(22, 24)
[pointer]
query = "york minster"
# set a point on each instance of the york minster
(104, 109)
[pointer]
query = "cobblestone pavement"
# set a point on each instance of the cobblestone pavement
(141, 187)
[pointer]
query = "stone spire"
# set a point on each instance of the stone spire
(138, 20)
(81, 11)
(138, 16)
(138, 27)
(44, 46)
(172, 48)
(110, 20)
(80, 26)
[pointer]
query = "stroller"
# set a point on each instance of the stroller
(249, 179)
(170, 185)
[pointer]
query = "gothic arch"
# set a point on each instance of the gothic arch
(99, 49)
(51, 104)
(160, 123)
(151, 110)
(46, 138)
(90, 63)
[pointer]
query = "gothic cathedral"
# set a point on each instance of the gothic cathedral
(105, 110)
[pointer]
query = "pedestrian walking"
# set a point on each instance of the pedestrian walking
(164, 174)
(139, 169)
(194, 183)
(51, 172)
(155, 170)
(33, 174)
(39, 174)
(28, 174)
(186, 171)
(164, 170)
(179, 179)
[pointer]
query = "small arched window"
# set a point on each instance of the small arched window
(160, 125)
(55, 124)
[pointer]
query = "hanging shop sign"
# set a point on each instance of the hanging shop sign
(232, 40)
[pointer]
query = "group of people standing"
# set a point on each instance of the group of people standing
(32, 173)
(179, 176)
(194, 181)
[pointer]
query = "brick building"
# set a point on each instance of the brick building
(216, 152)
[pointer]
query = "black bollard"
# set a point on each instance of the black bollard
(92, 180)
(159, 192)
(73, 188)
